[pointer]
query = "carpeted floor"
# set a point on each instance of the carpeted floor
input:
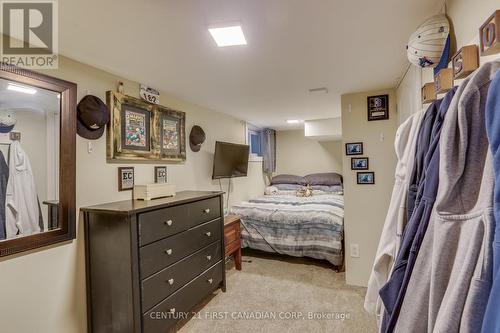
(280, 294)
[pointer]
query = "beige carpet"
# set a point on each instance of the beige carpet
(271, 289)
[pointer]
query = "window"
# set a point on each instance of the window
(254, 141)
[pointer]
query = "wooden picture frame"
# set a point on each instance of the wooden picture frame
(378, 107)
(161, 175)
(355, 165)
(354, 148)
(148, 120)
(365, 178)
(126, 179)
(65, 207)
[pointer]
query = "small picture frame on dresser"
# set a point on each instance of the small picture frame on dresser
(126, 176)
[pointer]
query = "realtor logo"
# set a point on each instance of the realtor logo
(29, 34)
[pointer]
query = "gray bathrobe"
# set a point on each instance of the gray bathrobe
(451, 281)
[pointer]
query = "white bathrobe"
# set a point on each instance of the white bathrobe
(21, 207)
(396, 216)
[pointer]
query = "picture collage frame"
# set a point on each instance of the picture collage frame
(142, 131)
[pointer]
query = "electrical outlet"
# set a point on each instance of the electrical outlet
(90, 147)
(355, 250)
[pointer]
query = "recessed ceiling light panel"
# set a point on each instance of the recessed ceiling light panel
(20, 88)
(228, 36)
(293, 121)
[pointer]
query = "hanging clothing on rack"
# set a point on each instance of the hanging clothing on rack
(396, 216)
(452, 278)
(4, 177)
(422, 145)
(491, 322)
(22, 210)
(393, 293)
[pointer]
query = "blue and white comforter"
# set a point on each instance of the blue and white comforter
(301, 227)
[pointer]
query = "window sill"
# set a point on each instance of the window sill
(254, 158)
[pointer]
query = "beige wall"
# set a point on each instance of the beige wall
(366, 205)
(298, 155)
(44, 291)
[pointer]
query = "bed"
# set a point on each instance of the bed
(282, 222)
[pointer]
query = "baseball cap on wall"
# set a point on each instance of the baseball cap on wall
(7, 121)
(92, 117)
(429, 46)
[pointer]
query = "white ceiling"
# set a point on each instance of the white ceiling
(293, 45)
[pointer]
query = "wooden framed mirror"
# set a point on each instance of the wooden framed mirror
(38, 148)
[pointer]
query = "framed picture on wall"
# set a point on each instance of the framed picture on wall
(136, 128)
(126, 180)
(378, 107)
(354, 148)
(366, 178)
(142, 131)
(359, 163)
(160, 174)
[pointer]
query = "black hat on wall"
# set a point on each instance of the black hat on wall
(196, 138)
(93, 116)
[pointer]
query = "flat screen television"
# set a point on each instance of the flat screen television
(230, 160)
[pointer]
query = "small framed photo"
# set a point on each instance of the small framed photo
(160, 174)
(366, 178)
(126, 179)
(378, 107)
(354, 148)
(359, 163)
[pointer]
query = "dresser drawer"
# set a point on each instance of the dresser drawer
(160, 254)
(165, 282)
(164, 316)
(162, 223)
(204, 210)
(165, 222)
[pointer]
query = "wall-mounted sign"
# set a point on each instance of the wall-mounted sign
(489, 35)
(125, 179)
(443, 81)
(378, 107)
(160, 174)
(149, 94)
(465, 61)
(428, 92)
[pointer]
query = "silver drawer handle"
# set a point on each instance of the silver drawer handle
(208, 233)
(170, 281)
(206, 210)
(172, 310)
(209, 258)
(210, 281)
(169, 251)
(169, 222)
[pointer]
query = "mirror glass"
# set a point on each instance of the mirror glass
(29, 159)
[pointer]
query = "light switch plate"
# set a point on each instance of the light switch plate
(355, 250)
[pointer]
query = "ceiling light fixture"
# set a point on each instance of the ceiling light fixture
(293, 121)
(19, 88)
(228, 36)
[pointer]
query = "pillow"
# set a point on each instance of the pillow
(288, 179)
(328, 179)
(329, 189)
(288, 186)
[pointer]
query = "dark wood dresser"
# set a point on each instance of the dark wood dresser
(150, 262)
